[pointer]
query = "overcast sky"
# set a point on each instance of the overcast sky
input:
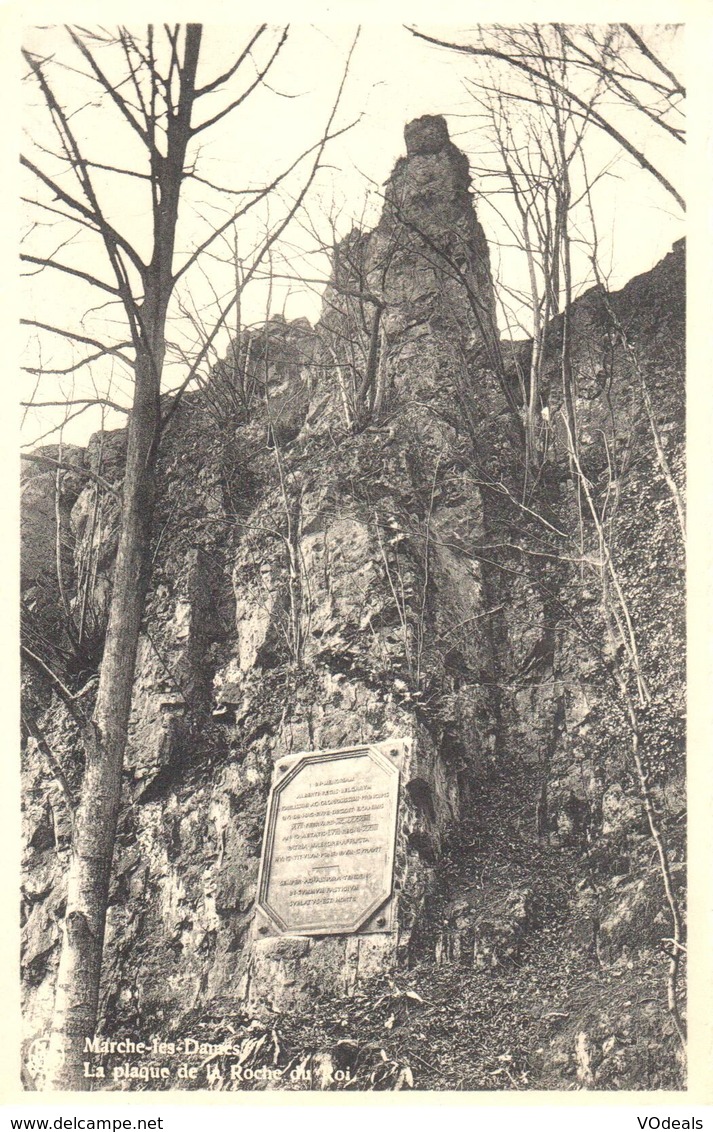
(393, 78)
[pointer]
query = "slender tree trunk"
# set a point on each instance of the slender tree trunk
(382, 376)
(365, 393)
(79, 974)
(78, 978)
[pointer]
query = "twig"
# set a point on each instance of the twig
(57, 772)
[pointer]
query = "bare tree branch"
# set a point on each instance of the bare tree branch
(256, 82)
(82, 471)
(646, 50)
(596, 117)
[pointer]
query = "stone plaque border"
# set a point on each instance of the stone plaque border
(389, 756)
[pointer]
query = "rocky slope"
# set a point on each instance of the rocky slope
(342, 555)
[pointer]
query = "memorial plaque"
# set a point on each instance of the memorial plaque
(328, 854)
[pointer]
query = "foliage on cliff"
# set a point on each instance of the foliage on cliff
(358, 552)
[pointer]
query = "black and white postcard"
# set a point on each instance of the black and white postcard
(353, 386)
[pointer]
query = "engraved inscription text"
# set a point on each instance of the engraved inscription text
(329, 850)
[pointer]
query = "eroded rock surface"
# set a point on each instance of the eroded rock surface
(332, 568)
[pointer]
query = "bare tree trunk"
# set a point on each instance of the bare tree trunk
(382, 377)
(77, 993)
(159, 111)
(365, 393)
(79, 975)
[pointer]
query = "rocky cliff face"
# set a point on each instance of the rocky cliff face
(344, 556)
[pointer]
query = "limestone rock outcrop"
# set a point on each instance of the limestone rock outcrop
(341, 557)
